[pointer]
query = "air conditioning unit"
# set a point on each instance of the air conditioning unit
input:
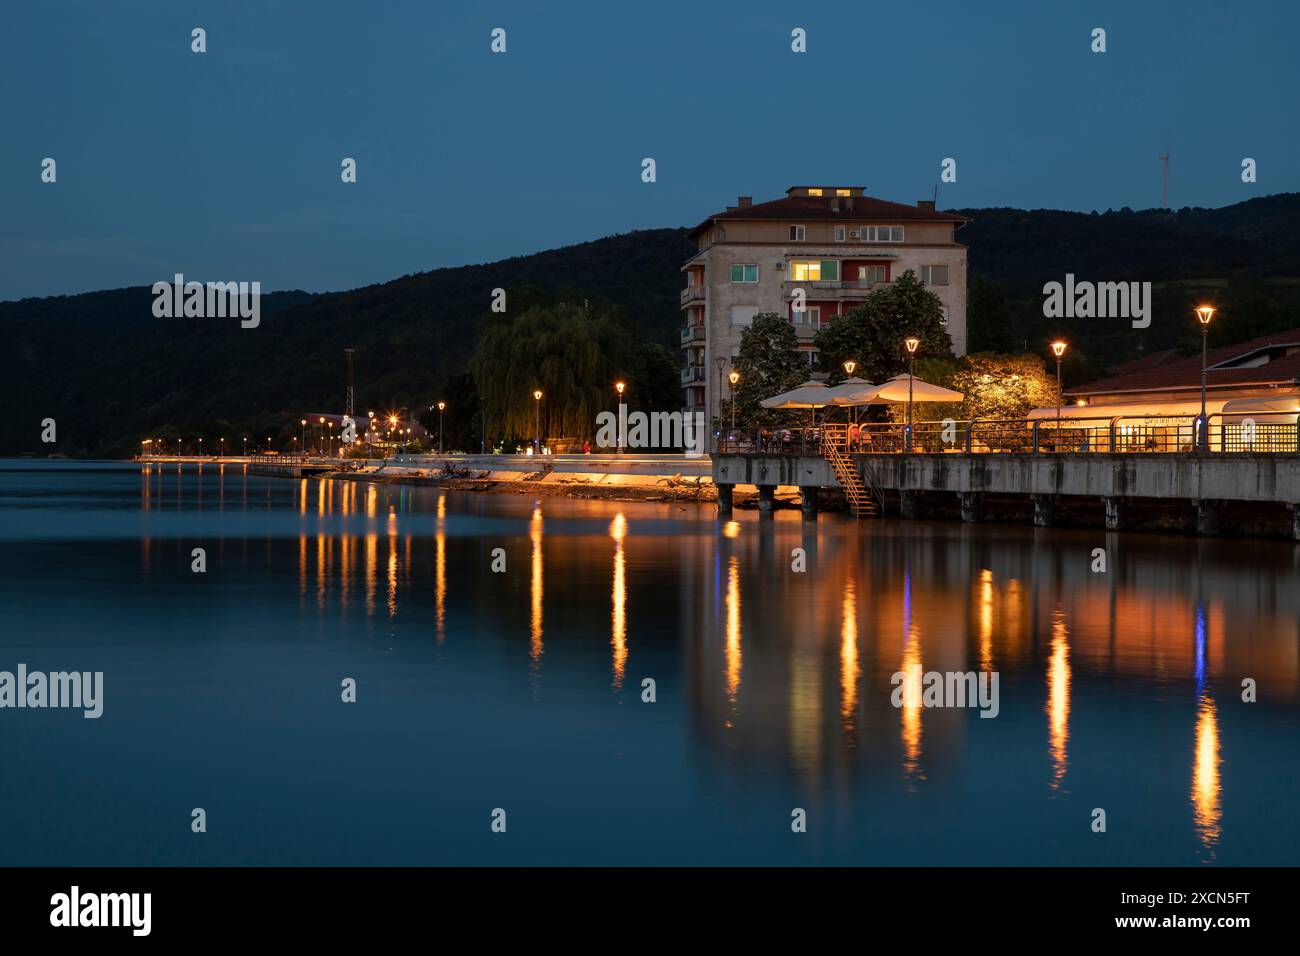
(853, 234)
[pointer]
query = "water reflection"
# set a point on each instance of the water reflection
(849, 669)
(618, 531)
(789, 676)
(1058, 699)
(535, 590)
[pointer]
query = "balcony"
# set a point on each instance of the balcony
(693, 334)
(692, 293)
(855, 289)
(692, 374)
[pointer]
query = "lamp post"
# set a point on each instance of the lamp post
(245, 446)
(720, 363)
(912, 343)
(537, 421)
(442, 407)
(733, 377)
(1058, 349)
(200, 447)
(223, 446)
(850, 366)
(303, 424)
(619, 387)
(1203, 314)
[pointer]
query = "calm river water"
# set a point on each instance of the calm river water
(521, 689)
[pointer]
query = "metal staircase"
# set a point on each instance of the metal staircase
(863, 503)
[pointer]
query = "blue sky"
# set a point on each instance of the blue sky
(225, 165)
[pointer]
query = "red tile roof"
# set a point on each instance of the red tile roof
(1185, 373)
(797, 209)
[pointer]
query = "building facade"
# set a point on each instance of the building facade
(813, 255)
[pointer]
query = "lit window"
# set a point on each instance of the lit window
(796, 233)
(934, 275)
(741, 272)
(842, 192)
(839, 233)
(814, 270)
(814, 192)
(872, 273)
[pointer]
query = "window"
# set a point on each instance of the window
(872, 273)
(934, 275)
(839, 233)
(882, 233)
(743, 314)
(814, 270)
(814, 192)
(742, 272)
(843, 192)
(812, 315)
(796, 233)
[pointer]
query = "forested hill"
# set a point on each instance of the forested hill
(108, 371)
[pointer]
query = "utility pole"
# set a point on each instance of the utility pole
(349, 402)
(1164, 185)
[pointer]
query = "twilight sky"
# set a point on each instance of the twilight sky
(225, 165)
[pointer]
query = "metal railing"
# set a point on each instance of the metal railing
(1123, 434)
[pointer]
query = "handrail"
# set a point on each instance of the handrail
(1218, 434)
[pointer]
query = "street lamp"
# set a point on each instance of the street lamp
(537, 421)
(1058, 349)
(912, 343)
(720, 363)
(245, 446)
(303, 423)
(223, 446)
(733, 377)
(618, 387)
(849, 367)
(442, 407)
(1203, 314)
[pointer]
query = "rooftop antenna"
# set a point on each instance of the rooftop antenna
(349, 352)
(1164, 185)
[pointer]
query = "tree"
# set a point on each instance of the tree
(989, 324)
(769, 363)
(999, 385)
(572, 353)
(873, 333)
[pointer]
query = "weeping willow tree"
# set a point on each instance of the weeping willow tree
(572, 353)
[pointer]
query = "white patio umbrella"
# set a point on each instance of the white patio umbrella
(852, 391)
(895, 392)
(808, 395)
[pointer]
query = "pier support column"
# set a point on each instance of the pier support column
(726, 500)
(1207, 516)
(1295, 522)
(1114, 513)
(808, 496)
(970, 505)
(1044, 510)
(907, 504)
(766, 499)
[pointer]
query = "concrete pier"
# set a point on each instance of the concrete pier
(726, 500)
(1044, 510)
(766, 499)
(908, 504)
(1207, 516)
(1114, 513)
(808, 498)
(970, 506)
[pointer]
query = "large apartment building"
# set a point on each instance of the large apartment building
(831, 242)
